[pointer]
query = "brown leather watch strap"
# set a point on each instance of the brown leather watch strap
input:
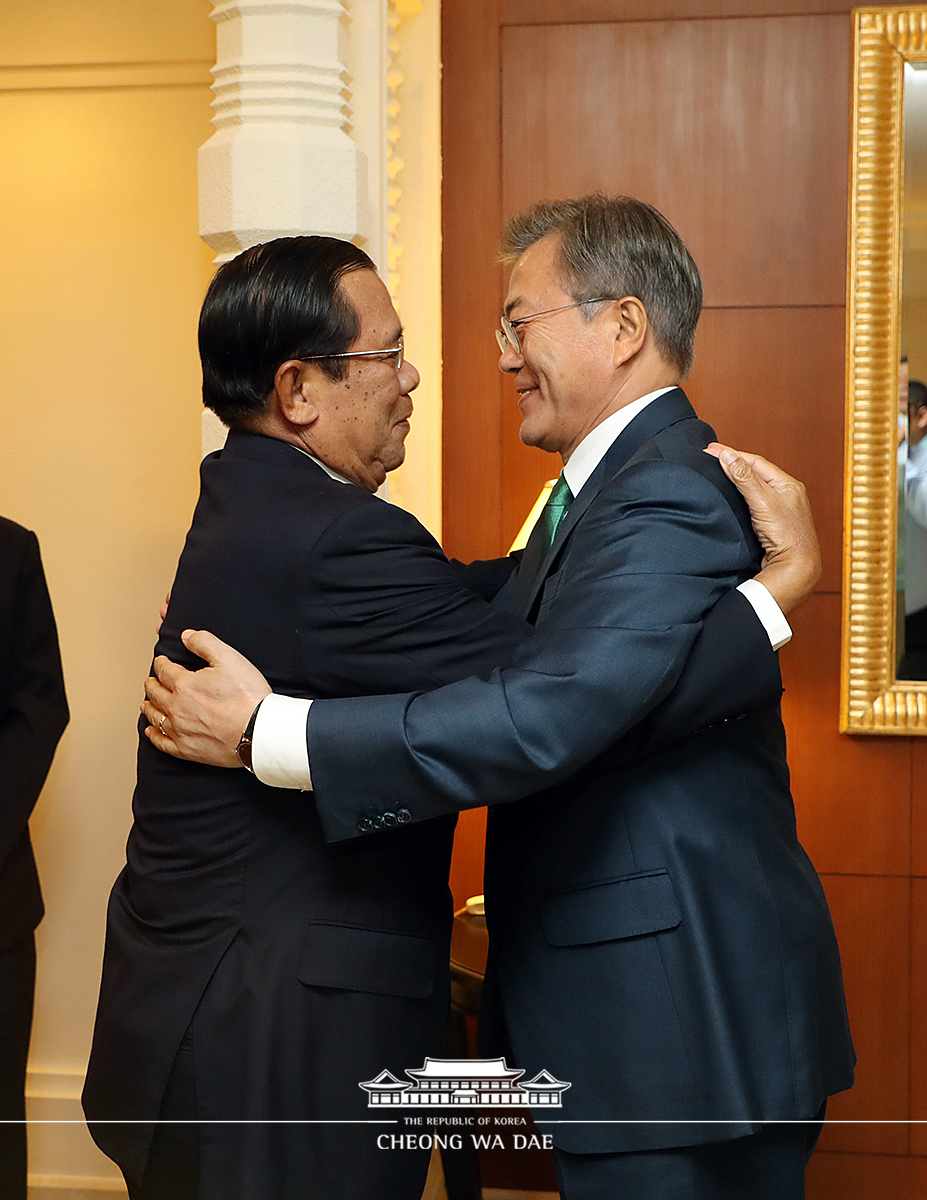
(244, 747)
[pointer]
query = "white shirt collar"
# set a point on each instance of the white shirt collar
(318, 462)
(592, 449)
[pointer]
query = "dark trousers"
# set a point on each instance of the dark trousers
(768, 1165)
(173, 1168)
(17, 995)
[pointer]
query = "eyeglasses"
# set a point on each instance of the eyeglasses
(392, 352)
(507, 336)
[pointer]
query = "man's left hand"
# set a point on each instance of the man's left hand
(201, 715)
(781, 516)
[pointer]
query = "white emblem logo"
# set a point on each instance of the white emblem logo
(464, 1082)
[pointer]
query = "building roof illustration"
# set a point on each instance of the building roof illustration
(544, 1081)
(385, 1082)
(479, 1082)
(465, 1069)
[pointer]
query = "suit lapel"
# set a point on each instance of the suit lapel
(535, 566)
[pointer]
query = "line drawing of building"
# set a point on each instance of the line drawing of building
(464, 1082)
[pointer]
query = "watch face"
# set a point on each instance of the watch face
(243, 750)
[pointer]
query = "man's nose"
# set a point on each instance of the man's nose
(511, 360)
(409, 378)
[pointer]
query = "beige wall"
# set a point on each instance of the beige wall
(103, 105)
(415, 244)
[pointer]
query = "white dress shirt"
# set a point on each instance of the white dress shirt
(279, 755)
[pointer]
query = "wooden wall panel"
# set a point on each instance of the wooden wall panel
(552, 12)
(866, 1177)
(772, 380)
(873, 923)
(852, 795)
(471, 280)
(714, 122)
(919, 807)
(918, 1024)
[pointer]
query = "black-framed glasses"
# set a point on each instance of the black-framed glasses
(392, 352)
(507, 336)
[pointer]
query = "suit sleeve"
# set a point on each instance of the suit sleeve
(486, 576)
(731, 670)
(35, 710)
(391, 612)
(653, 553)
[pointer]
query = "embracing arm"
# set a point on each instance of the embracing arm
(650, 557)
(486, 576)
(378, 609)
(732, 667)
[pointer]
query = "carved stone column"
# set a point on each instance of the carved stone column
(300, 142)
(283, 159)
(327, 116)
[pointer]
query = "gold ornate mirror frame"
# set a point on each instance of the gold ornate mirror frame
(872, 700)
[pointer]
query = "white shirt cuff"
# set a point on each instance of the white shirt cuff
(770, 614)
(279, 754)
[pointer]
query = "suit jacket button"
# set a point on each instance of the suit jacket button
(378, 821)
(390, 820)
(403, 816)
(364, 825)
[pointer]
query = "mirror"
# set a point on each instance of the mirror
(888, 246)
(912, 390)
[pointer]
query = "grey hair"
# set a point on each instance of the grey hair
(616, 246)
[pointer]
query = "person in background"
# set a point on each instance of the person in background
(33, 715)
(913, 664)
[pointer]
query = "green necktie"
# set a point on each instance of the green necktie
(558, 502)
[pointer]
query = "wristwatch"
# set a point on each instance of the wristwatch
(244, 747)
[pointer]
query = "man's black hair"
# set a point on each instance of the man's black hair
(277, 301)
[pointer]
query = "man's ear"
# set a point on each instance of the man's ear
(630, 325)
(294, 394)
(919, 418)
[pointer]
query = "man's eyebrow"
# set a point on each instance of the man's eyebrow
(512, 304)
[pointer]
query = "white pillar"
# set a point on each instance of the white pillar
(300, 142)
(283, 159)
(327, 116)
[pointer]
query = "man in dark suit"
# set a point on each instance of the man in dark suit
(250, 974)
(33, 715)
(659, 937)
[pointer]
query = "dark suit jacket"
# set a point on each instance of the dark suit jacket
(33, 715)
(308, 971)
(661, 939)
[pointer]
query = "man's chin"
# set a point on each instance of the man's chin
(395, 459)
(534, 437)
(527, 434)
